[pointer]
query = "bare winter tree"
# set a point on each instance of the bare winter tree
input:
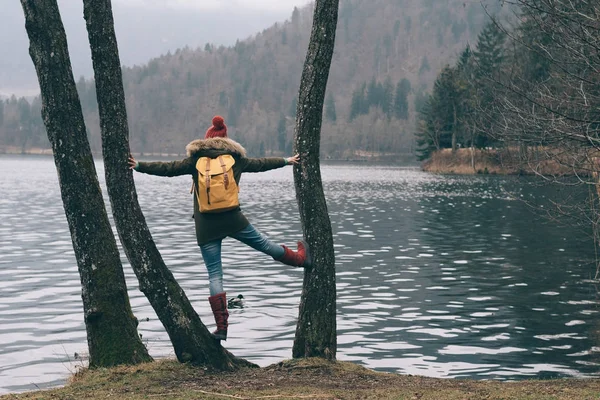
(191, 340)
(316, 328)
(111, 327)
(553, 97)
(549, 104)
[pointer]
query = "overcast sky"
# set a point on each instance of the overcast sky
(145, 29)
(267, 5)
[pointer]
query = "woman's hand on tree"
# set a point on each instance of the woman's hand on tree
(132, 162)
(293, 160)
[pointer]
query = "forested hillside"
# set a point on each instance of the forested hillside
(527, 86)
(388, 54)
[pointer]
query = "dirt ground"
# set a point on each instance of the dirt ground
(298, 379)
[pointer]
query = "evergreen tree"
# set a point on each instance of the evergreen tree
(359, 104)
(293, 106)
(446, 97)
(232, 113)
(424, 66)
(466, 102)
(24, 113)
(438, 121)
(222, 98)
(458, 27)
(36, 125)
(355, 105)
(1, 112)
(400, 99)
(426, 133)
(489, 52)
(465, 61)
(405, 85)
(488, 57)
(387, 97)
(24, 117)
(296, 18)
(377, 58)
(330, 112)
(282, 133)
(440, 36)
(387, 45)
(420, 99)
(364, 102)
(397, 25)
(535, 43)
(373, 94)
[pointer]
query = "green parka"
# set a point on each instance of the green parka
(213, 226)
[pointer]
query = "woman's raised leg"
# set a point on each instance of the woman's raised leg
(253, 238)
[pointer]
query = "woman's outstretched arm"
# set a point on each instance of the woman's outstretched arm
(267, 163)
(169, 168)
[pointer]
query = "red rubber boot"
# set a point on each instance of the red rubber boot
(218, 304)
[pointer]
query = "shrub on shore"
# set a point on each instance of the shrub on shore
(505, 161)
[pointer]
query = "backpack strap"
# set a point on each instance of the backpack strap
(208, 179)
(225, 175)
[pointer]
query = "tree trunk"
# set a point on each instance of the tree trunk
(110, 324)
(191, 340)
(316, 328)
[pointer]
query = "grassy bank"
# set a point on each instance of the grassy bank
(494, 161)
(298, 379)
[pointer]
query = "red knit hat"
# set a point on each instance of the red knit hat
(218, 128)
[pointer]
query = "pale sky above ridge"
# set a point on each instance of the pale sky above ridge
(267, 5)
(145, 30)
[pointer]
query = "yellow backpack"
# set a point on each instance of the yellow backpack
(216, 187)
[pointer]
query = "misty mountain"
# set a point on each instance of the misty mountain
(144, 29)
(387, 56)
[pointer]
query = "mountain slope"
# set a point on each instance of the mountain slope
(254, 83)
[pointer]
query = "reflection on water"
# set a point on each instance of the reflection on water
(437, 276)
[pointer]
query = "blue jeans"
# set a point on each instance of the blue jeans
(211, 253)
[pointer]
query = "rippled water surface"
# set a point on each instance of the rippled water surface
(436, 276)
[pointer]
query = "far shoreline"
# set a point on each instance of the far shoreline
(401, 159)
(462, 161)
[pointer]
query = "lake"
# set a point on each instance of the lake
(443, 276)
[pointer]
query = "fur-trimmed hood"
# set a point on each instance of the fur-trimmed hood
(216, 144)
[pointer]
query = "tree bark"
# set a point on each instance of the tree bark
(316, 328)
(191, 340)
(111, 327)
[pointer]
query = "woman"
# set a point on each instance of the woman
(213, 227)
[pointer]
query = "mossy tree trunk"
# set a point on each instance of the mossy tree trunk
(316, 328)
(111, 327)
(191, 340)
